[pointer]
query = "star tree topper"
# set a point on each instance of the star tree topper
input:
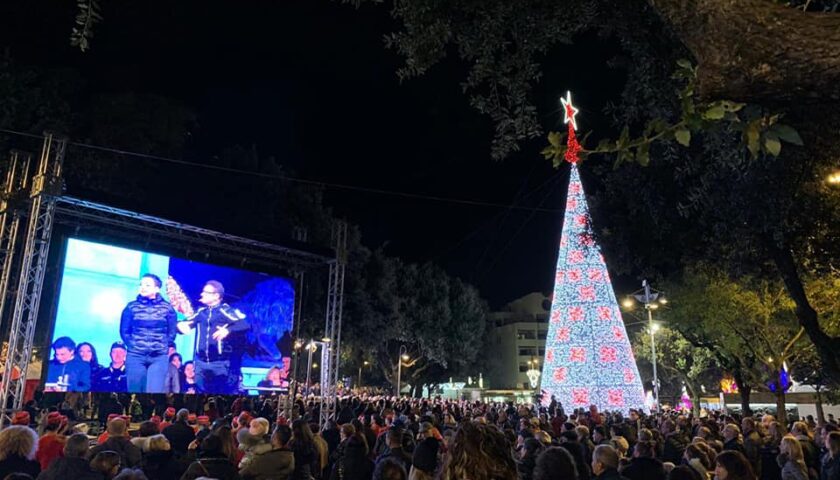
(572, 145)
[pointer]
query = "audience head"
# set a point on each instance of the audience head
(479, 452)
(555, 462)
(76, 446)
(158, 443)
(107, 463)
(18, 441)
(281, 436)
(604, 458)
(733, 465)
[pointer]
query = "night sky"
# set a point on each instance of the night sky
(311, 83)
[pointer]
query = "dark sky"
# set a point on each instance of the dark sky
(310, 82)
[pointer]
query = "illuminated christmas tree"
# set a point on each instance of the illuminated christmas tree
(588, 359)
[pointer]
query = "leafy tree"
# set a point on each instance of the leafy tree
(679, 362)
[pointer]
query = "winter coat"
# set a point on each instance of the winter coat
(275, 464)
(752, 450)
(353, 464)
(830, 468)
(734, 444)
(792, 470)
(70, 468)
(77, 373)
(675, 444)
(219, 468)
(770, 470)
(610, 474)
(110, 380)
(306, 457)
(161, 465)
(148, 325)
(16, 464)
(50, 447)
(644, 468)
(130, 455)
(207, 320)
(180, 435)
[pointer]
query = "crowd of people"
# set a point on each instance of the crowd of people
(376, 437)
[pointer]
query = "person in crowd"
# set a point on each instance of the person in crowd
(531, 449)
(353, 463)
(305, 452)
(674, 442)
(752, 443)
(479, 452)
(389, 470)
(791, 459)
(131, 474)
(18, 446)
(644, 465)
(555, 463)
(830, 469)
(74, 465)
(424, 461)
(107, 463)
(147, 429)
(769, 452)
(147, 325)
(395, 448)
(66, 371)
(253, 441)
(158, 462)
(211, 462)
(697, 458)
(119, 442)
(275, 464)
(732, 438)
(733, 465)
(274, 379)
(684, 472)
(113, 378)
(605, 463)
(215, 322)
(569, 441)
(180, 434)
(173, 375)
(87, 353)
(51, 443)
(810, 451)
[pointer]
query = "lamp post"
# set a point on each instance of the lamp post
(364, 364)
(648, 297)
(312, 346)
(402, 357)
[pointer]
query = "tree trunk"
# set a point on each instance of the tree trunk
(781, 413)
(758, 50)
(694, 393)
(819, 406)
(826, 346)
(744, 390)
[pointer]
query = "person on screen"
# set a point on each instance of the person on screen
(113, 378)
(188, 372)
(215, 322)
(173, 375)
(88, 354)
(147, 326)
(274, 379)
(67, 372)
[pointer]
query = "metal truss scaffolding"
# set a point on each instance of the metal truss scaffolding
(331, 356)
(31, 201)
(28, 195)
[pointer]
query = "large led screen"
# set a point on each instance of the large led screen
(141, 322)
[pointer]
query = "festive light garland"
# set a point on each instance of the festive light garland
(588, 359)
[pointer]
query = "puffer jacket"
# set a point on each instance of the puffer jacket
(148, 325)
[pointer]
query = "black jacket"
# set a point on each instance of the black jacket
(76, 373)
(180, 435)
(160, 465)
(70, 468)
(675, 445)
(610, 474)
(130, 455)
(207, 320)
(148, 325)
(16, 464)
(219, 468)
(644, 468)
(110, 380)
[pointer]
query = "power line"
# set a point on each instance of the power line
(303, 181)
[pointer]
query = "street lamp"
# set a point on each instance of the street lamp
(649, 299)
(312, 346)
(403, 357)
(366, 363)
(834, 178)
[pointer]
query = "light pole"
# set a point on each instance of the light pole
(312, 346)
(365, 364)
(402, 357)
(648, 297)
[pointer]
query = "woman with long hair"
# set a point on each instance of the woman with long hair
(479, 452)
(791, 459)
(87, 353)
(188, 376)
(733, 465)
(303, 446)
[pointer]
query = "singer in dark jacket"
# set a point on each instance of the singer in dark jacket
(215, 321)
(147, 326)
